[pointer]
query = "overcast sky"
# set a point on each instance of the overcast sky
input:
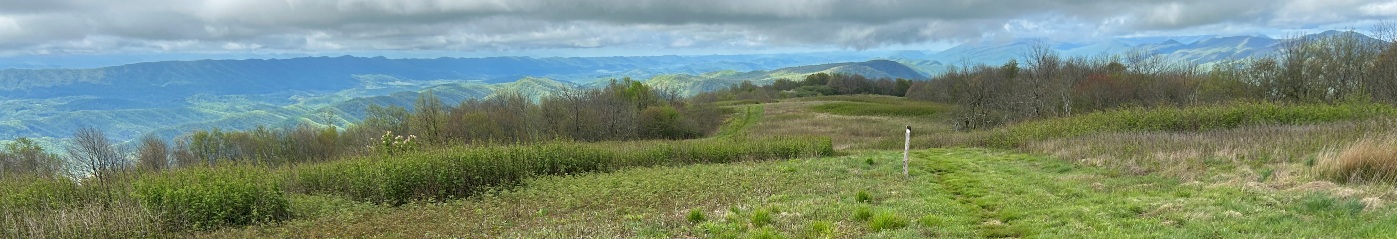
(425, 27)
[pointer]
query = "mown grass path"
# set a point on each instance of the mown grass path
(958, 193)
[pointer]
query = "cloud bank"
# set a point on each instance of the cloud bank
(212, 26)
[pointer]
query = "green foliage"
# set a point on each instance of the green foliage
(862, 213)
(762, 217)
(464, 171)
(1199, 118)
(696, 215)
(766, 233)
(38, 193)
(1319, 203)
(886, 221)
(26, 156)
(818, 229)
(207, 198)
(391, 145)
(744, 118)
(863, 197)
(664, 122)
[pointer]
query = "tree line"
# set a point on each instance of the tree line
(1333, 68)
(818, 84)
(623, 110)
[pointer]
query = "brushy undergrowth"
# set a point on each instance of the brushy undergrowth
(208, 198)
(465, 171)
(33, 193)
(1367, 160)
(1175, 119)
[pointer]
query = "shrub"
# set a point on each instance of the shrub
(886, 221)
(1367, 160)
(207, 198)
(35, 193)
(461, 172)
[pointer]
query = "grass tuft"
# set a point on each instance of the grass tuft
(762, 217)
(886, 221)
(696, 216)
(819, 229)
(1319, 203)
(862, 213)
(1367, 160)
(863, 197)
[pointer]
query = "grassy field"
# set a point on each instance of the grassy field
(950, 193)
(1239, 180)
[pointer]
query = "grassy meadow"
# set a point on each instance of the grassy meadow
(1301, 174)
(818, 167)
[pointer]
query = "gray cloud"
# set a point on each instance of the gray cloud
(86, 26)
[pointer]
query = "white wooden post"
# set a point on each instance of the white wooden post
(906, 148)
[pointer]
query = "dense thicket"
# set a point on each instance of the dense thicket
(1328, 69)
(817, 84)
(623, 110)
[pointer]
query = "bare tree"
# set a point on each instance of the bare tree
(153, 155)
(182, 156)
(96, 158)
(427, 116)
(1382, 77)
(1044, 69)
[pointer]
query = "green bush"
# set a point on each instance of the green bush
(207, 198)
(463, 171)
(1200, 118)
(33, 193)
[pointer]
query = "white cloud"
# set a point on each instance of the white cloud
(1386, 9)
(9, 28)
(468, 25)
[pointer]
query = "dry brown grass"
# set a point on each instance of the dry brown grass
(1371, 159)
(1246, 151)
(795, 117)
(121, 219)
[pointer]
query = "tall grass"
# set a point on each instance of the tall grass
(1174, 119)
(876, 109)
(1365, 160)
(49, 207)
(208, 198)
(463, 171)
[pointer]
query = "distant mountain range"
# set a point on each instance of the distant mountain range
(1196, 49)
(171, 97)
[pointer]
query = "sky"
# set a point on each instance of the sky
(427, 28)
